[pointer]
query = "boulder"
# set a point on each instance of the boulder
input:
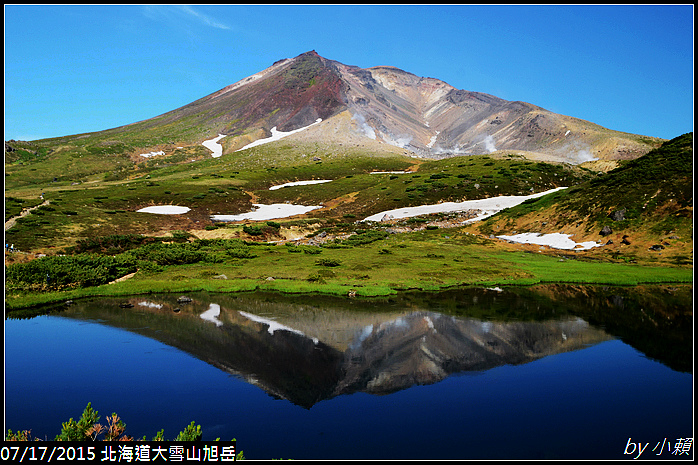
(618, 215)
(605, 231)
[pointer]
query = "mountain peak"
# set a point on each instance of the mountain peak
(425, 116)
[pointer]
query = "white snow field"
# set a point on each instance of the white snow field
(263, 212)
(164, 210)
(152, 154)
(277, 135)
(299, 183)
(487, 207)
(554, 240)
(214, 146)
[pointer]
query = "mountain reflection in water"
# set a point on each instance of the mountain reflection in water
(308, 350)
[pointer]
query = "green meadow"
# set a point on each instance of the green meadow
(86, 226)
(431, 260)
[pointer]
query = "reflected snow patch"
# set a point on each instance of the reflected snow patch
(273, 325)
(212, 314)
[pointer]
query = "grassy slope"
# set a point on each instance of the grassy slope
(654, 192)
(427, 259)
(94, 205)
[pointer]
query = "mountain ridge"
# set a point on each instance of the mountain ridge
(422, 116)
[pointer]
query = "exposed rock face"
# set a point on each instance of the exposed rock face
(424, 116)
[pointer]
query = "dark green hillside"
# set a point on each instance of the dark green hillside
(646, 205)
(104, 203)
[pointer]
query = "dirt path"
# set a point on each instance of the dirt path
(12, 221)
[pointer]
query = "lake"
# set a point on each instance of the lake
(543, 372)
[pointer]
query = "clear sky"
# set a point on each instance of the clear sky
(75, 69)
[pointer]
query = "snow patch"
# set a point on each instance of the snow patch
(299, 183)
(263, 212)
(152, 154)
(164, 210)
(277, 135)
(554, 240)
(214, 146)
(433, 139)
(487, 207)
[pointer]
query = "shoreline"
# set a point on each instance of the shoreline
(134, 287)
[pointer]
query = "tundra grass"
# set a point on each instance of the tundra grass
(229, 185)
(427, 260)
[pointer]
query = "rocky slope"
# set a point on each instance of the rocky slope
(380, 106)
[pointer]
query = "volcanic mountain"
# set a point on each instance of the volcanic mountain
(384, 107)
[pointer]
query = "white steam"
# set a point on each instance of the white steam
(584, 155)
(489, 144)
(363, 125)
(578, 153)
(402, 141)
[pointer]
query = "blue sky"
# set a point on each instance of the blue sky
(75, 69)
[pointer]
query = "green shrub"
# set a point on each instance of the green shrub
(240, 252)
(84, 270)
(191, 433)
(170, 254)
(252, 230)
(365, 237)
(89, 428)
(82, 429)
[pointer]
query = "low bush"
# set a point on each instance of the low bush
(328, 262)
(60, 272)
(365, 237)
(169, 254)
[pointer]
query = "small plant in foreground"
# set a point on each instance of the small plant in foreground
(88, 428)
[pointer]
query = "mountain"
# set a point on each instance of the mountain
(382, 107)
(305, 354)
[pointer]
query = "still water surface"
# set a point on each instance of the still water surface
(520, 373)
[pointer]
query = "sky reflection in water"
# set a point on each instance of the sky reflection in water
(349, 379)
